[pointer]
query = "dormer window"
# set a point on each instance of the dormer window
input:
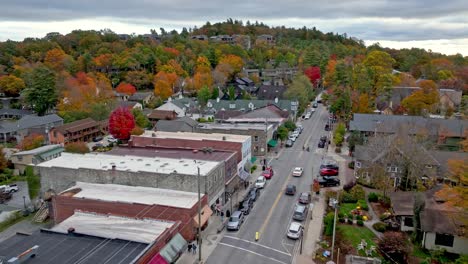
(232, 106)
(209, 104)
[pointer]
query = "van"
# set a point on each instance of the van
(300, 212)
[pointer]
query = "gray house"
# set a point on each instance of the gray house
(19, 129)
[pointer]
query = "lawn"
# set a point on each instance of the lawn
(354, 234)
(346, 208)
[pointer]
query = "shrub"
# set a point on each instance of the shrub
(373, 197)
(340, 215)
(384, 216)
(385, 201)
(395, 246)
(254, 167)
(358, 217)
(341, 220)
(351, 165)
(360, 222)
(363, 205)
(328, 221)
(348, 198)
(338, 150)
(77, 147)
(358, 193)
(380, 227)
(349, 185)
(350, 221)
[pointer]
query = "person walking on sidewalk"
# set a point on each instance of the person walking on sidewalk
(194, 247)
(189, 247)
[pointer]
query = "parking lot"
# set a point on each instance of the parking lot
(17, 201)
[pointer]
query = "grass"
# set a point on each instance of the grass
(34, 182)
(13, 219)
(346, 208)
(354, 234)
(420, 252)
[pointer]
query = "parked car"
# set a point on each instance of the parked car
(97, 139)
(327, 181)
(9, 188)
(260, 182)
(330, 166)
(254, 193)
(307, 116)
(328, 171)
(327, 127)
(289, 143)
(268, 173)
(290, 189)
(299, 127)
(112, 139)
(321, 144)
(235, 221)
(294, 230)
(297, 172)
(97, 146)
(246, 205)
(295, 133)
(300, 212)
(315, 105)
(292, 138)
(305, 198)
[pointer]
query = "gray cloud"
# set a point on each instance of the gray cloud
(365, 19)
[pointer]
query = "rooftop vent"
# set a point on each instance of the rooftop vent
(224, 138)
(139, 159)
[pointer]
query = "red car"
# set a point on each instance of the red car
(328, 172)
(268, 173)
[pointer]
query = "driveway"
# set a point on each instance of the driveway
(17, 201)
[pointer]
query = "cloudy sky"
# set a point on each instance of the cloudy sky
(431, 24)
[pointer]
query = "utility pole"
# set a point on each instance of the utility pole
(199, 218)
(334, 224)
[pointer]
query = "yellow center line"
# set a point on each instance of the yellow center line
(267, 219)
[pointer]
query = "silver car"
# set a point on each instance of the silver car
(295, 230)
(235, 221)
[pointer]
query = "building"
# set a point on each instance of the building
(245, 106)
(263, 115)
(199, 37)
(265, 39)
(263, 135)
(241, 86)
(130, 105)
(20, 129)
(11, 113)
(132, 201)
(35, 156)
(82, 130)
(181, 124)
(142, 97)
(181, 106)
(63, 172)
(157, 115)
(403, 209)
(270, 92)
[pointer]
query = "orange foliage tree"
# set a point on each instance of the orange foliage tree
(126, 88)
(424, 99)
(329, 78)
(55, 59)
(456, 196)
(104, 60)
(234, 61)
(31, 142)
(164, 83)
(77, 147)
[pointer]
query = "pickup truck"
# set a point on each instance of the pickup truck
(328, 181)
(9, 188)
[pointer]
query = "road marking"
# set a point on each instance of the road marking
(267, 219)
(250, 242)
(252, 252)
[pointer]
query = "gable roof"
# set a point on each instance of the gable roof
(128, 104)
(246, 105)
(162, 114)
(402, 203)
(270, 92)
(76, 125)
(226, 114)
(30, 121)
(140, 96)
(179, 125)
(444, 156)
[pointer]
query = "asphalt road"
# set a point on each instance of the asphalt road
(272, 213)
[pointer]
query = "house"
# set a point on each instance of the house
(443, 226)
(265, 39)
(181, 124)
(199, 37)
(450, 98)
(142, 97)
(121, 96)
(21, 128)
(245, 106)
(35, 156)
(265, 114)
(82, 130)
(157, 115)
(226, 114)
(14, 113)
(270, 92)
(131, 105)
(222, 39)
(180, 105)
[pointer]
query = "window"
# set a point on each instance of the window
(358, 164)
(232, 106)
(392, 169)
(256, 138)
(408, 221)
(444, 240)
(20, 158)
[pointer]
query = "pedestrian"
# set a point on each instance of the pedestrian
(222, 216)
(189, 247)
(194, 248)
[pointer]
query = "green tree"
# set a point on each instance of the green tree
(289, 124)
(41, 93)
(204, 95)
(215, 93)
(77, 147)
(282, 133)
(100, 111)
(232, 93)
(140, 118)
(300, 89)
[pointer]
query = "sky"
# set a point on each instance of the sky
(441, 26)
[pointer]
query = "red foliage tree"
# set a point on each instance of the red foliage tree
(121, 123)
(126, 88)
(313, 73)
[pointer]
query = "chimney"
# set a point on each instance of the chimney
(71, 230)
(181, 95)
(114, 167)
(217, 100)
(276, 100)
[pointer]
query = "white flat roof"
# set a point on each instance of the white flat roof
(240, 126)
(135, 194)
(255, 119)
(114, 227)
(196, 136)
(130, 163)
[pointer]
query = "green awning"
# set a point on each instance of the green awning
(272, 143)
(253, 159)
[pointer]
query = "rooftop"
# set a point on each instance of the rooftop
(239, 126)
(196, 136)
(114, 227)
(29, 121)
(174, 153)
(77, 125)
(130, 163)
(38, 150)
(133, 194)
(59, 248)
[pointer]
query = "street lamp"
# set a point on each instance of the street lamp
(199, 216)
(335, 204)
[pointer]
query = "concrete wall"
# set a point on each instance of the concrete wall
(60, 179)
(460, 244)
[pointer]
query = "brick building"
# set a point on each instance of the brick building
(82, 130)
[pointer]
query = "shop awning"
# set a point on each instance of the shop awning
(272, 143)
(253, 159)
(244, 175)
(205, 215)
(172, 250)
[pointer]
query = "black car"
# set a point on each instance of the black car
(291, 189)
(330, 166)
(315, 105)
(321, 144)
(328, 181)
(246, 205)
(254, 194)
(97, 139)
(327, 127)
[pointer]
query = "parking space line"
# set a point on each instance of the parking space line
(252, 252)
(260, 245)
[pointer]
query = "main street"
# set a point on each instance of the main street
(272, 212)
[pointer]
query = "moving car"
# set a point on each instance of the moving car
(268, 173)
(300, 212)
(290, 189)
(289, 143)
(260, 182)
(327, 181)
(235, 221)
(9, 188)
(294, 230)
(254, 194)
(297, 172)
(305, 198)
(328, 171)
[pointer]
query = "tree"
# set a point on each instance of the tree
(77, 147)
(395, 246)
(3, 160)
(40, 92)
(422, 100)
(363, 104)
(329, 78)
(11, 85)
(140, 118)
(282, 133)
(313, 73)
(31, 142)
(235, 62)
(121, 123)
(137, 131)
(203, 96)
(164, 83)
(55, 59)
(456, 194)
(126, 88)
(140, 79)
(300, 89)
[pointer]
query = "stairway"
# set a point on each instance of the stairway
(41, 214)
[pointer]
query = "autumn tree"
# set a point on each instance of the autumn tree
(121, 123)
(422, 100)
(31, 142)
(141, 120)
(329, 78)
(235, 62)
(55, 59)
(164, 84)
(395, 246)
(126, 88)
(455, 195)
(41, 93)
(77, 147)
(140, 79)
(11, 85)
(363, 104)
(313, 73)
(3, 160)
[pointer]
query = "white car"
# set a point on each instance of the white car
(292, 138)
(294, 230)
(313, 110)
(295, 133)
(297, 172)
(260, 182)
(112, 139)
(307, 116)
(9, 188)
